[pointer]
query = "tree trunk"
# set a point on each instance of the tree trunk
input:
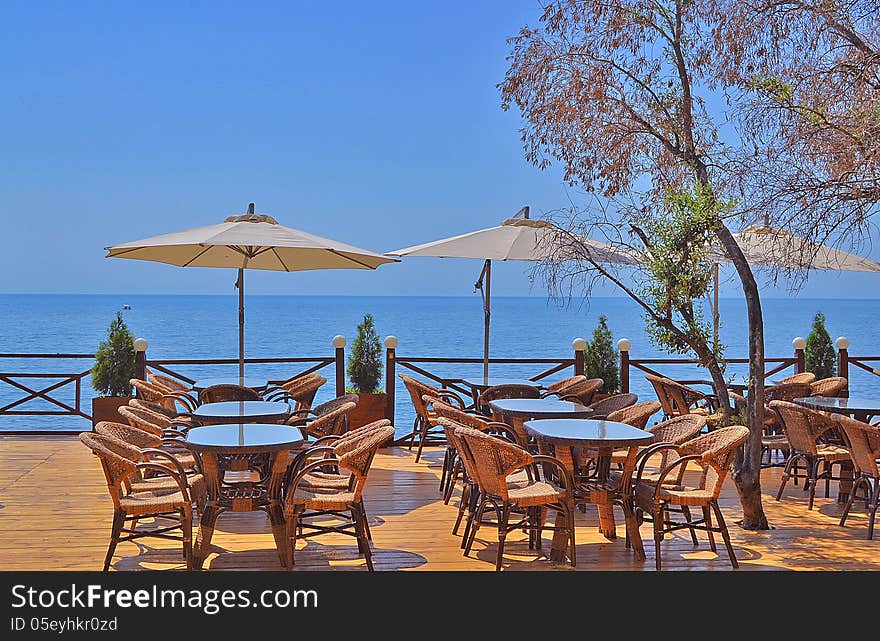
(718, 382)
(747, 464)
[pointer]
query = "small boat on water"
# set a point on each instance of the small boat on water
(126, 306)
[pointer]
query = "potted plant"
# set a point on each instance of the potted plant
(819, 355)
(112, 372)
(601, 360)
(365, 374)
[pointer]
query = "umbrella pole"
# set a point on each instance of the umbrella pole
(487, 314)
(241, 323)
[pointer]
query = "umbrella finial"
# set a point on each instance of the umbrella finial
(251, 208)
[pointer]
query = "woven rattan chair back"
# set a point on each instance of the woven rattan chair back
(636, 415)
(863, 443)
(417, 389)
(118, 460)
(349, 440)
(153, 407)
(446, 410)
(660, 390)
(145, 419)
(149, 391)
(802, 426)
(681, 397)
(678, 430)
(134, 436)
(450, 428)
(170, 384)
(803, 377)
(566, 384)
(833, 386)
(359, 453)
(334, 403)
(330, 423)
(303, 389)
(228, 392)
(505, 391)
(786, 392)
(716, 450)
(606, 406)
(493, 460)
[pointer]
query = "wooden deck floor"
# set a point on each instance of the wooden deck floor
(55, 515)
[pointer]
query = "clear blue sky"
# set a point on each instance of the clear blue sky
(376, 123)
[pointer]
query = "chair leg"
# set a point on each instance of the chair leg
(475, 526)
(503, 516)
(826, 471)
(814, 478)
(366, 520)
(472, 505)
(786, 474)
(359, 518)
(875, 499)
(423, 435)
(415, 429)
(292, 529)
(658, 533)
(851, 499)
(444, 471)
(707, 516)
(725, 534)
(461, 508)
(686, 511)
(186, 520)
(118, 522)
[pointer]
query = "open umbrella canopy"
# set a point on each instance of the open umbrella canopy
(251, 241)
(517, 238)
(248, 241)
(764, 245)
(514, 239)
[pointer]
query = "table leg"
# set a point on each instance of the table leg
(206, 530)
(844, 485)
(606, 510)
(560, 540)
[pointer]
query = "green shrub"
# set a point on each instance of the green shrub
(365, 360)
(115, 361)
(601, 358)
(819, 355)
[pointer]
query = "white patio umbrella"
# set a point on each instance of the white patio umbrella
(769, 247)
(517, 238)
(248, 241)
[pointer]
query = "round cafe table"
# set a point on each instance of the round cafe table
(248, 381)
(561, 436)
(241, 412)
(514, 411)
(261, 453)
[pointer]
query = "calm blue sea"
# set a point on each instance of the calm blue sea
(183, 326)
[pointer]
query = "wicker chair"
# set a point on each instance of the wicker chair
(802, 377)
(143, 440)
(301, 417)
(577, 388)
(493, 461)
(330, 477)
(331, 423)
(636, 415)
(806, 430)
(161, 395)
(170, 414)
(677, 399)
(606, 406)
(171, 384)
(228, 392)
(834, 386)
(713, 453)
(505, 391)
(863, 444)
(301, 390)
(304, 500)
(425, 424)
(153, 422)
(136, 497)
(673, 431)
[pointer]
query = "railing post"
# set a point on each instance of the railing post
(339, 344)
(624, 345)
(578, 344)
(799, 343)
(842, 343)
(390, 374)
(140, 359)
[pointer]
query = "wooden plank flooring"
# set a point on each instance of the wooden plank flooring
(55, 515)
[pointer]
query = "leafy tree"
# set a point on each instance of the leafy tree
(600, 358)
(115, 361)
(819, 354)
(365, 360)
(617, 92)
